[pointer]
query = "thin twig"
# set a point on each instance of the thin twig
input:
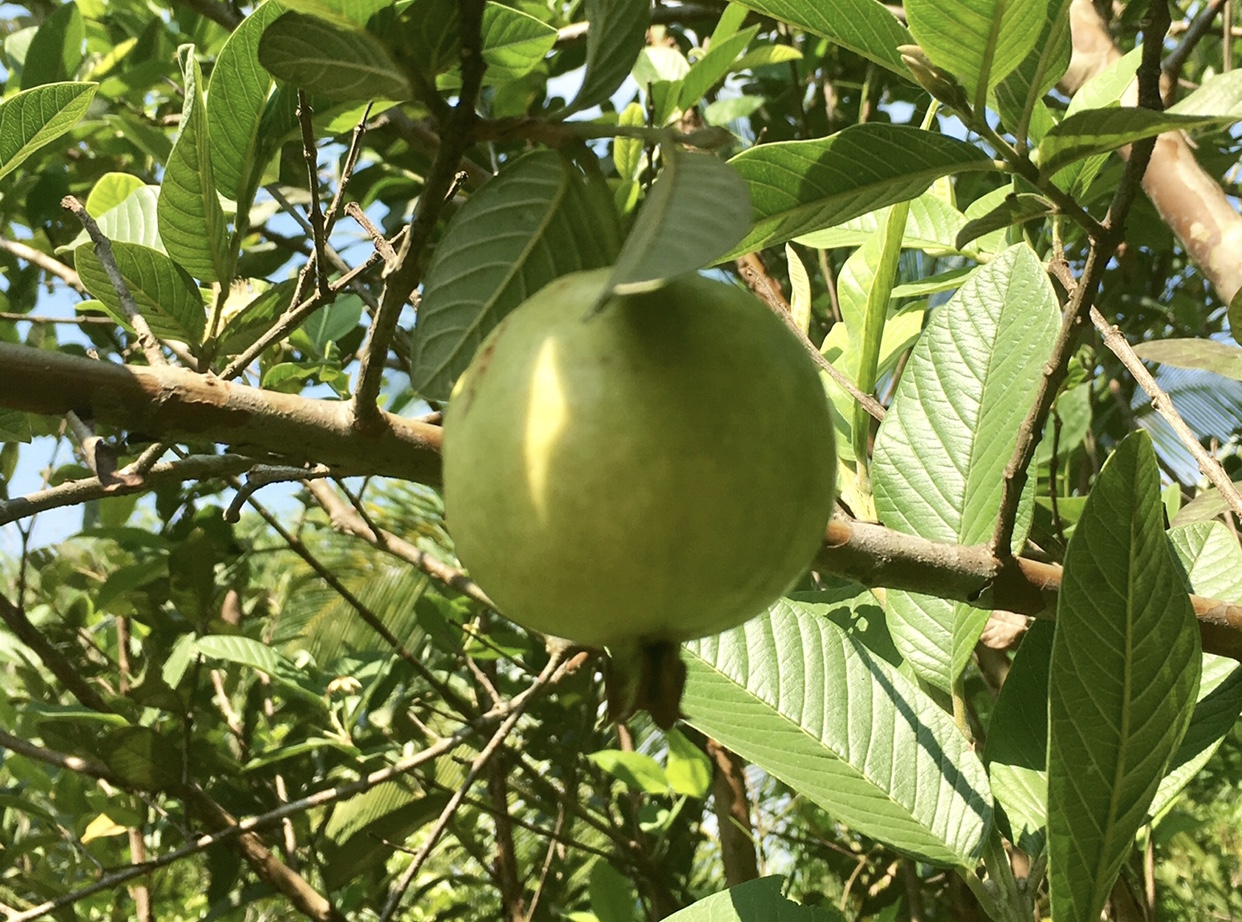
(292, 808)
(1163, 404)
(103, 249)
(479, 763)
(1199, 27)
(348, 520)
(381, 244)
(408, 270)
(84, 320)
(347, 171)
(311, 156)
(47, 264)
(75, 492)
(289, 321)
(756, 276)
(373, 621)
(1082, 298)
(566, 134)
(87, 767)
(263, 474)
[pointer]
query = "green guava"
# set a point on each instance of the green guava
(656, 470)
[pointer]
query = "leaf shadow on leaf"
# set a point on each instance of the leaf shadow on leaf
(927, 740)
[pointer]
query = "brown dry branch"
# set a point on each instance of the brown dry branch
(346, 519)
(757, 279)
(732, 804)
(1163, 404)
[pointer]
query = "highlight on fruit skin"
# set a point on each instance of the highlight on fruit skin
(656, 470)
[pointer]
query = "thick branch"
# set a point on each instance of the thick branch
(175, 403)
(879, 557)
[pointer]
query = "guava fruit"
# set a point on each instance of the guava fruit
(658, 469)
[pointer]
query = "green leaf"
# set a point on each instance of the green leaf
(843, 344)
(863, 26)
(538, 219)
(941, 451)
(1206, 354)
(635, 770)
(1204, 507)
(1017, 745)
(696, 210)
(336, 63)
(627, 153)
(797, 187)
(236, 98)
(766, 56)
(34, 117)
(513, 42)
(869, 336)
(713, 66)
(55, 52)
(612, 895)
(109, 191)
(133, 220)
(932, 225)
(1210, 555)
(191, 220)
(1219, 95)
(754, 901)
(349, 14)
(721, 112)
(14, 426)
(141, 757)
(333, 321)
(165, 294)
(1099, 131)
(1125, 670)
(799, 290)
(689, 769)
(357, 836)
(976, 41)
(933, 284)
(254, 653)
(798, 697)
(1019, 94)
(1017, 208)
(618, 31)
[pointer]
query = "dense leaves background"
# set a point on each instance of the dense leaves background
(239, 601)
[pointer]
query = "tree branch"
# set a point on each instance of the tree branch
(177, 403)
(408, 272)
(1189, 200)
(1210, 467)
(48, 264)
(74, 492)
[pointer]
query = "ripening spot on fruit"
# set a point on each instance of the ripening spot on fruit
(657, 471)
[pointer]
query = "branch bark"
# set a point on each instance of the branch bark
(175, 403)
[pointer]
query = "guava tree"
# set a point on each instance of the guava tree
(247, 250)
